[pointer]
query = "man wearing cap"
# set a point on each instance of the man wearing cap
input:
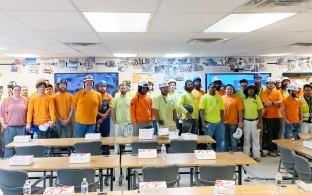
(164, 108)
(172, 92)
(252, 121)
(120, 114)
(128, 87)
(212, 116)
(64, 112)
(219, 85)
(141, 113)
(285, 83)
(233, 117)
(291, 110)
(86, 103)
(151, 93)
(306, 99)
(198, 93)
(278, 84)
(187, 99)
(103, 116)
(258, 84)
(271, 99)
(243, 84)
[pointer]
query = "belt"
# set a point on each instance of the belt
(249, 119)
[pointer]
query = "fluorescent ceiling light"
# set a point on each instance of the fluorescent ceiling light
(246, 22)
(176, 55)
(23, 55)
(118, 22)
(1, 48)
(276, 54)
(125, 55)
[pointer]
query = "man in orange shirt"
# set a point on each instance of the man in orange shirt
(86, 103)
(198, 93)
(64, 112)
(141, 109)
(233, 117)
(49, 90)
(271, 99)
(291, 111)
(103, 116)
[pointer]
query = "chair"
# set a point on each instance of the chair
(74, 177)
(12, 182)
(302, 167)
(169, 174)
(288, 161)
(208, 174)
(37, 151)
(143, 145)
(183, 146)
(93, 147)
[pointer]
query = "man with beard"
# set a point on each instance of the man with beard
(103, 116)
(141, 109)
(198, 93)
(243, 84)
(285, 83)
(164, 108)
(212, 116)
(120, 114)
(86, 103)
(64, 112)
(278, 83)
(306, 99)
(219, 86)
(24, 92)
(252, 121)
(291, 109)
(259, 86)
(271, 99)
(189, 115)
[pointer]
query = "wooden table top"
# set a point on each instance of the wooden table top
(295, 145)
(201, 139)
(305, 135)
(187, 160)
(54, 163)
(60, 142)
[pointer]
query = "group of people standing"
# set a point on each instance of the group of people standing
(262, 112)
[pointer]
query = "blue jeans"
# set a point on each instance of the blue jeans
(216, 130)
(83, 129)
(291, 128)
(9, 135)
(230, 143)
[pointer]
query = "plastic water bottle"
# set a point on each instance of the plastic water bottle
(35, 137)
(278, 184)
(163, 151)
(27, 188)
(84, 186)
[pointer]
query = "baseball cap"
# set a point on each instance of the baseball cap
(164, 84)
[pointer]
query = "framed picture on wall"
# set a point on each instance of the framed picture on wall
(75, 80)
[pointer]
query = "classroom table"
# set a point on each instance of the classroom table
(53, 163)
(296, 145)
(187, 160)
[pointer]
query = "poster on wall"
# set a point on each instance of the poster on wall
(47, 66)
(137, 77)
(17, 66)
(75, 80)
(89, 64)
(73, 64)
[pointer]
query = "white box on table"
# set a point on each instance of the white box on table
(22, 138)
(223, 187)
(188, 136)
(153, 188)
(307, 144)
(21, 160)
(173, 135)
(205, 154)
(146, 133)
(92, 136)
(80, 158)
(147, 153)
(63, 190)
(163, 131)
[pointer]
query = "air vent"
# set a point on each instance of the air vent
(205, 41)
(82, 44)
(302, 45)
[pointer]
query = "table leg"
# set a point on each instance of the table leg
(69, 150)
(112, 180)
(191, 176)
(51, 179)
(239, 174)
(120, 154)
(101, 179)
(129, 177)
(44, 181)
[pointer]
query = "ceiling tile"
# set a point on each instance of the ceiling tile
(123, 47)
(69, 37)
(116, 5)
(169, 37)
(47, 5)
(9, 24)
(29, 36)
(53, 21)
(193, 22)
(122, 37)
